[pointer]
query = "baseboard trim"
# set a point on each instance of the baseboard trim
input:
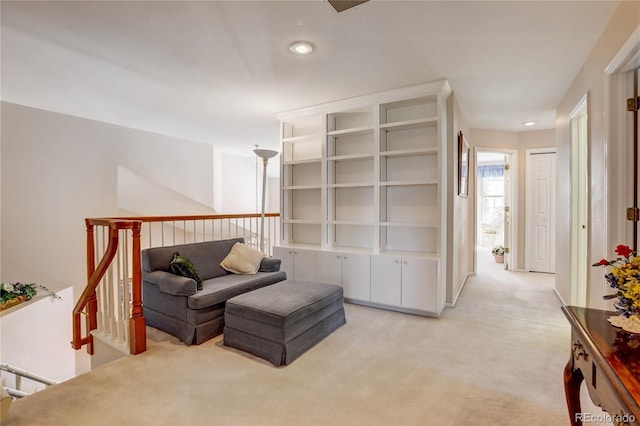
(395, 308)
(464, 282)
(559, 297)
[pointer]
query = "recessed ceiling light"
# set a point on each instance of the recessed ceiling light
(528, 123)
(301, 48)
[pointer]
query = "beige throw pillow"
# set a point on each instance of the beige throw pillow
(242, 259)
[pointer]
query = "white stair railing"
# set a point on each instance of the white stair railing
(19, 373)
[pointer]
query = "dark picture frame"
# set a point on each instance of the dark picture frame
(463, 166)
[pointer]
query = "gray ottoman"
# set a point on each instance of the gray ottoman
(281, 321)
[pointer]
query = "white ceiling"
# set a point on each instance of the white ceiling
(218, 71)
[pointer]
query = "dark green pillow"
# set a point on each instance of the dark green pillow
(184, 267)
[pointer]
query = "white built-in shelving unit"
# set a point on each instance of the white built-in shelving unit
(363, 197)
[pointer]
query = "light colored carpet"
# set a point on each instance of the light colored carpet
(495, 359)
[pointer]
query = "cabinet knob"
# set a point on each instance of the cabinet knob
(396, 261)
(405, 262)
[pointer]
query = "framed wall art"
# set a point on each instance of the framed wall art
(463, 166)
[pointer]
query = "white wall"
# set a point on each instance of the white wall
(273, 195)
(591, 80)
(182, 166)
(460, 240)
(237, 175)
(35, 337)
(238, 183)
(0, 192)
(138, 195)
(57, 170)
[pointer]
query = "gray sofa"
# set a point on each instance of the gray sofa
(171, 303)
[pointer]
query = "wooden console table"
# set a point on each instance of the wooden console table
(608, 360)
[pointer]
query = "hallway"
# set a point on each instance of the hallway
(486, 265)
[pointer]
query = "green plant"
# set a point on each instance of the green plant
(24, 291)
(497, 251)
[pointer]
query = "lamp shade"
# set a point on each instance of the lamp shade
(265, 153)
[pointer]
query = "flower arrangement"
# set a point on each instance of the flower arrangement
(497, 251)
(624, 277)
(12, 294)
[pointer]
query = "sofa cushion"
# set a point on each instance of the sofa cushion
(242, 259)
(206, 256)
(221, 289)
(181, 265)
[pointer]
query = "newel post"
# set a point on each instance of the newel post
(137, 323)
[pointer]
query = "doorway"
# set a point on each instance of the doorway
(494, 207)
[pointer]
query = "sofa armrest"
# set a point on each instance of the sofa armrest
(169, 283)
(269, 264)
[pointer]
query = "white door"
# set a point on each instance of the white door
(579, 203)
(541, 184)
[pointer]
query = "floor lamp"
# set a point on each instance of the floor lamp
(265, 154)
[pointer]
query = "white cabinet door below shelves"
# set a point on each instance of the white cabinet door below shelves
(304, 265)
(356, 278)
(386, 278)
(349, 270)
(420, 284)
(286, 257)
(407, 282)
(297, 263)
(329, 267)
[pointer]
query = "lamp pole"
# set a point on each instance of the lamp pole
(265, 154)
